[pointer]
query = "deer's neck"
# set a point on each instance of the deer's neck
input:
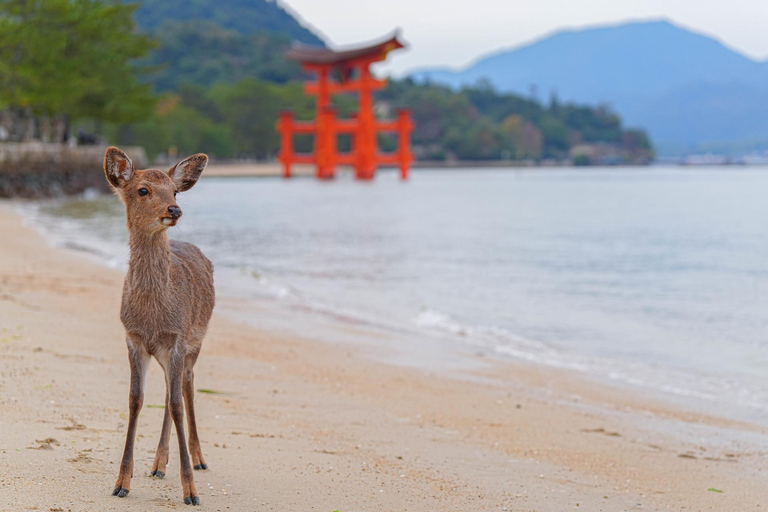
(149, 266)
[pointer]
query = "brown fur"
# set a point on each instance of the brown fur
(168, 298)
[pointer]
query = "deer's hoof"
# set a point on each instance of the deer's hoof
(157, 473)
(201, 466)
(120, 493)
(192, 500)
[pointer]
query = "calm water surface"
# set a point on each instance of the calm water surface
(649, 277)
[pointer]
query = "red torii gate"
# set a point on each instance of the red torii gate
(355, 76)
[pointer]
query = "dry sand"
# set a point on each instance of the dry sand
(302, 425)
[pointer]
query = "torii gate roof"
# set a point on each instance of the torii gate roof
(324, 56)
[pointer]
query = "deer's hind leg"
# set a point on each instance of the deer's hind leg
(139, 361)
(161, 455)
(189, 398)
(175, 376)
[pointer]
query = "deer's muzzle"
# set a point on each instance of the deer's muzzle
(174, 212)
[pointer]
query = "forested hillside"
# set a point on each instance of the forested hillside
(203, 42)
(243, 16)
(479, 123)
(203, 53)
(206, 75)
(238, 120)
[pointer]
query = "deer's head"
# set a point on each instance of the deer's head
(150, 195)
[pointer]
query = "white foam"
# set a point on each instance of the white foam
(435, 319)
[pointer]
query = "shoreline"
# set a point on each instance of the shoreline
(291, 312)
(307, 425)
(274, 169)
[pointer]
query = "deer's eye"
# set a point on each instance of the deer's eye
(175, 192)
(143, 191)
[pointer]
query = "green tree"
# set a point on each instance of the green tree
(178, 125)
(73, 58)
(556, 140)
(524, 140)
(250, 109)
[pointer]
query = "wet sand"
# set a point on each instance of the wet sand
(297, 424)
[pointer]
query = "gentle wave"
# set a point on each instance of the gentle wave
(501, 341)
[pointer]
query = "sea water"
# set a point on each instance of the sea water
(655, 278)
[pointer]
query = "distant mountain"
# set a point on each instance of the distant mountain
(689, 90)
(203, 42)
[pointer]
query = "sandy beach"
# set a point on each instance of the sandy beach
(291, 424)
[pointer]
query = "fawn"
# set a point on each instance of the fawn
(168, 299)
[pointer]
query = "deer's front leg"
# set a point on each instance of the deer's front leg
(175, 378)
(139, 361)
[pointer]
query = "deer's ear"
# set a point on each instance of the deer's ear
(186, 173)
(117, 167)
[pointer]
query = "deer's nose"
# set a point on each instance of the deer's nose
(174, 212)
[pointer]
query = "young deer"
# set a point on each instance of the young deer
(168, 299)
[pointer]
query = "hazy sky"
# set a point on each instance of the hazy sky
(455, 32)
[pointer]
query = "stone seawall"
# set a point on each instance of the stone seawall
(38, 169)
